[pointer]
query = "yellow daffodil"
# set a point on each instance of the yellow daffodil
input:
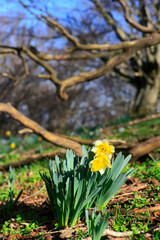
(40, 139)
(8, 133)
(102, 146)
(100, 162)
(12, 145)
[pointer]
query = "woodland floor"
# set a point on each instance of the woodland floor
(135, 208)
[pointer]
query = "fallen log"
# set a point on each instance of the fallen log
(145, 147)
(136, 149)
(139, 149)
(116, 142)
(38, 129)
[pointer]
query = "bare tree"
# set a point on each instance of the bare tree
(134, 48)
(143, 69)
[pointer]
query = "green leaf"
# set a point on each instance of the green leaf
(18, 196)
(70, 159)
(113, 189)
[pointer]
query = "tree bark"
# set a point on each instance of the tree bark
(146, 97)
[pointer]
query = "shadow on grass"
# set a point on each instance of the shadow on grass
(30, 213)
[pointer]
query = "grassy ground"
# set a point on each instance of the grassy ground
(135, 207)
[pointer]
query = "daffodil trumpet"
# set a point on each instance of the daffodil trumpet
(103, 154)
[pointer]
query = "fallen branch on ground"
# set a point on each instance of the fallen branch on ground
(118, 234)
(145, 147)
(137, 150)
(148, 209)
(129, 192)
(32, 195)
(91, 142)
(36, 128)
(116, 142)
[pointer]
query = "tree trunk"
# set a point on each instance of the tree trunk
(146, 97)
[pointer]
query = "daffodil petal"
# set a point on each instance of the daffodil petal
(100, 161)
(102, 171)
(106, 141)
(94, 149)
(98, 142)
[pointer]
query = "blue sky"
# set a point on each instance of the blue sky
(10, 6)
(57, 8)
(61, 7)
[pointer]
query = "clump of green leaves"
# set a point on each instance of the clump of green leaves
(114, 179)
(11, 201)
(22, 229)
(72, 187)
(96, 223)
(81, 234)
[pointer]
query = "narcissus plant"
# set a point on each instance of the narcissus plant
(74, 184)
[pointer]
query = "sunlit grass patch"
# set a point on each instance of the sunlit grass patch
(139, 131)
(20, 228)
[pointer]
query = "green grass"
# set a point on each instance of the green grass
(22, 229)
(121, 222)
(28, 178)
(128, 222)
(146, 170)
(139, 131)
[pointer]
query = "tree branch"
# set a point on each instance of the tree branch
(50, 137)
(122, 72)
(130, 48)
(112, 63)
(26, 71)
(62, 29)
(143, 148)
(91, 142)
(79, 56)
(100, 47)
(48, 67)
(7, 75)
(121, 34)
(132, 22)
(5, 50)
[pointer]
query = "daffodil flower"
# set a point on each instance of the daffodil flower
(12, 145)
(8, 133)
(102, 146)
(100, 162)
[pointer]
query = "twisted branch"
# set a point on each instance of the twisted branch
(130, 48)
(132, 22)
